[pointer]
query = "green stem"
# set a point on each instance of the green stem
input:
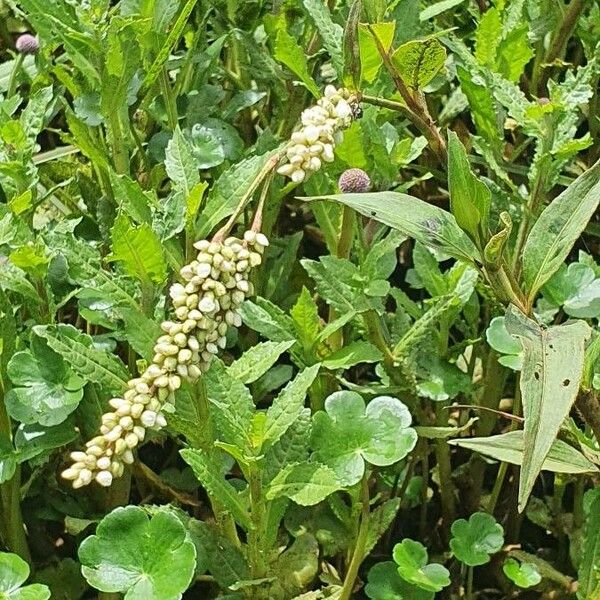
(442, 454)
(470, 583)
(498, 484)
(169, 99)
(256, 553)
(560, 39)
(361, 541)
(12, 82)
(11, 524)
(223, 518)
(119, 149)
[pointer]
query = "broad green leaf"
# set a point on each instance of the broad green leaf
(370, 59)
(214, 141)
(558, 227)
(234, 407)
(589, 575)
(289, 52)
(14, 571)
(268, 320)
(509, 447)
(305, 483)
(577, 289)
(419, 61)
(353, 354)
(288, 405)
(385, 583)
(139, 250)
(180, 163)
(64, 579)
(339, 283)
(78, 350)
(524, 575)
(482, 106)
(209, 474)
(140, 557)
(411, 558)
(488, 36)
(474, 541)
(550, 378)
(514, 52)
(132, 198)
(225, 560)
(14, 279)
(256, 361)
(424, 222)
(307, 323)
(470, 198)
(331, 33)
(45, 390)
(504, 343)
(345, 434)
(229, 189)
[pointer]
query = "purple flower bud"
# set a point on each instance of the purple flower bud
(27, 44)
(354, 181)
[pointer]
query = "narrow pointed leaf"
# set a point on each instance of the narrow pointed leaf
(550, 378)
(425, 223)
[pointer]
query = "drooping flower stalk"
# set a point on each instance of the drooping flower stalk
(321, 129)
(205, 305)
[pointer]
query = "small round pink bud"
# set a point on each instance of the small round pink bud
(354, 181)
(27, 44)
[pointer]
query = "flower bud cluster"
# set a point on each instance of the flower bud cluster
(320, 131)
(205, 305)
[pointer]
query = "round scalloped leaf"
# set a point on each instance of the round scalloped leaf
(411, 558)
(386, 584)
(14, 571)
(146, 559)
(473, 541)
(524, 575)
(346, 434)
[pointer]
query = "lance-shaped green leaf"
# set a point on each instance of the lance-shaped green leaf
(306, 483)
(419, 61)
(89, 362)
(139, 250)
(256, 361)
(291, 54)
(589, 575)
(345, 434)
(424, 222)
(14, 571)
(550, 378)
(475, 540)
(411, 558)
(288, 405)
(208, 472)
(509, 447)
(331, 33)
(554, 233)
(139, 557)
(470, 198)
(46, 390)
(180, 163)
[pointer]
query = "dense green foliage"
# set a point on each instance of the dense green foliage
(398, 398)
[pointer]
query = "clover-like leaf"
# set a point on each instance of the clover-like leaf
(346, 434)
(46, 390)
(411, 558)
(524, 575)
(577, 289)
(385, 583)
(510, 349)
(146, 559)
(473, 541)
(14, 571)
